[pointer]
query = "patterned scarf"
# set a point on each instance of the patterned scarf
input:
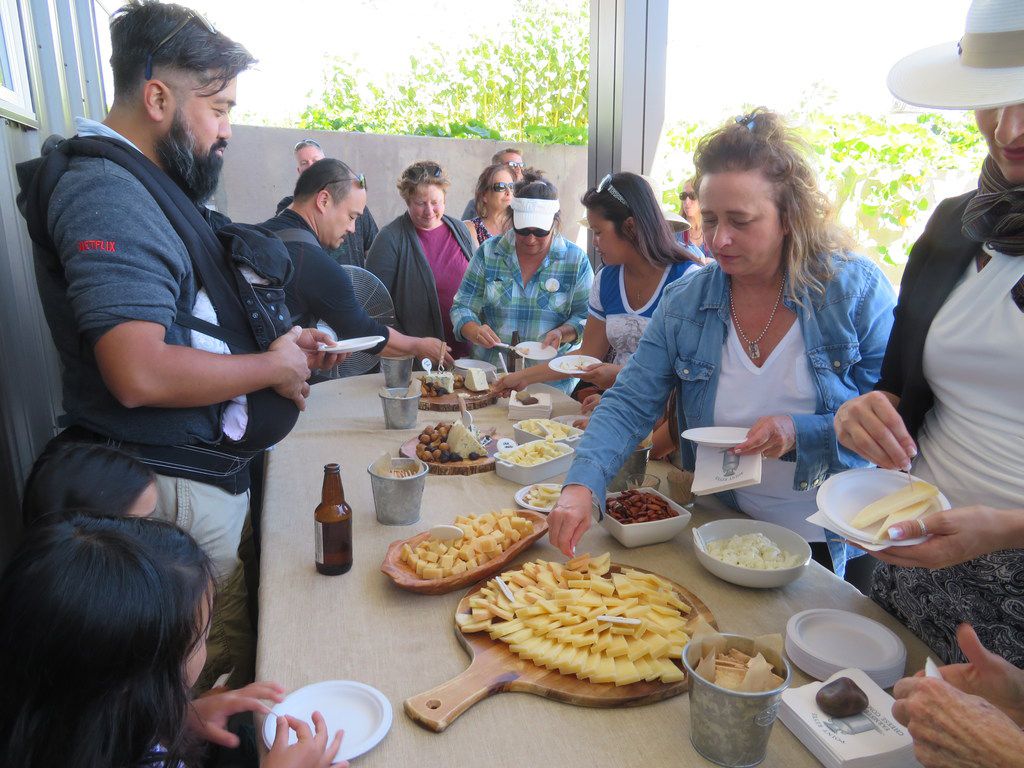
(996, 214)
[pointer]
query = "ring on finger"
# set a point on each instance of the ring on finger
(924, 527)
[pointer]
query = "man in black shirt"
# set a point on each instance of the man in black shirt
(353, 249)
(328, 202)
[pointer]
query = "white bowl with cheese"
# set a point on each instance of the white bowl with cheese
(524, 431)
(532, 469)
(750, 565)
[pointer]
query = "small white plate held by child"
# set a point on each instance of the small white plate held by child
(363, 712)
(574, 365)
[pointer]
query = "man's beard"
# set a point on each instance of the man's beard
(197, 175)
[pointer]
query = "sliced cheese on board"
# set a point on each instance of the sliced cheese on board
(876, 511)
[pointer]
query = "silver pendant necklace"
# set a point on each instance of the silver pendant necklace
(753, 350)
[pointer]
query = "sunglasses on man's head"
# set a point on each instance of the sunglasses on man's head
(359, 179)
(307, 143)
(170, 35)
(606, 186)
(501, 186)
(515, 164)
(533, 232)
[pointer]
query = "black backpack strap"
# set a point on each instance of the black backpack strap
(297, 235)
(229, 337)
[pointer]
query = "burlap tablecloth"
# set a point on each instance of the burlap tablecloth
(360, 627)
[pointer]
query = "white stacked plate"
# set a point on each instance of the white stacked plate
(823, 641)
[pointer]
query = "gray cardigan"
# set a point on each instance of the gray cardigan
(396, 257)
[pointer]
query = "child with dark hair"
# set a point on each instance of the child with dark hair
(88, 477)
(102, 629)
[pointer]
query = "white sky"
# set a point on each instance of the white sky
(722, 53)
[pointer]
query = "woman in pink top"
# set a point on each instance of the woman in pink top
(422, 255)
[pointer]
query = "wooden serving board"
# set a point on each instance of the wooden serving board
(406, 578)
(494, 669)
(464, 467)
(474, 400)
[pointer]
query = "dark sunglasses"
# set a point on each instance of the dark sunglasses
(428, 169)
(515, 164)
(501, 186)
(687, 195)
(533, 232)
(307, 143)
(192, 15)
(606, 186)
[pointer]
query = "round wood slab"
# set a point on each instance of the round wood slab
(494, 668)
(474, 400)
(406, 578)
(464, 467)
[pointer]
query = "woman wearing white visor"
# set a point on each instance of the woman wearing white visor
(950, 399)
(530, 280)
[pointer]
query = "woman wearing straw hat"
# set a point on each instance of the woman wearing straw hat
(950, 400)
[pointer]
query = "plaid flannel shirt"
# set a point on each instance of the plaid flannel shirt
(492, 292)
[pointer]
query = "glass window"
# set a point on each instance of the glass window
(15, 97)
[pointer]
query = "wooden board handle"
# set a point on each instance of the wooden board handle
(437, 708)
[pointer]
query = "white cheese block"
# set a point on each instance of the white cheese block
(463, 442)
(444, 381)
(476, 380)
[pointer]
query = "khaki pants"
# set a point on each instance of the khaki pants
(216, 520)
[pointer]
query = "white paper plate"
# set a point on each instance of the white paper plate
(352, 345)
(827, 640)
(842, 496)
(363, 712)
(718, 437)
(534, 350)
(521, 497)
(572, 364)
(468, 362)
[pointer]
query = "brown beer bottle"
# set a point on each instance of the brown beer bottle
(333, 523)
(515, 361)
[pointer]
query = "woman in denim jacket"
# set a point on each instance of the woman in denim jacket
(775, 335)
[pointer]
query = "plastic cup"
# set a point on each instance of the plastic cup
(643, 481)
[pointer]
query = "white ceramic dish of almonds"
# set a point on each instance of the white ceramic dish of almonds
(643, 534)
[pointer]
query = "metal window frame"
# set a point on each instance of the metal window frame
(16, 104)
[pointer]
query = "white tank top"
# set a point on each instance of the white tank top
(746, 393)
(972, 440)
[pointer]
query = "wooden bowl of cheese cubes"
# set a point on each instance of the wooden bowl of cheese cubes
(489, 543)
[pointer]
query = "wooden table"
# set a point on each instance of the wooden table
(360, 627)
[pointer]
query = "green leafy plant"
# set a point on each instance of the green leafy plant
(529, 85)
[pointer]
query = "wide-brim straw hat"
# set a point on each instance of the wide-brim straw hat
(983, 70)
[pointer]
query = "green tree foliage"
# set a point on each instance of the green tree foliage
(531, 84)
(885, 174)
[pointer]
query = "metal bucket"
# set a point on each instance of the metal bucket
(635, 464)
(728, 727)
(400, 410)
(397, 371)
(396, 500)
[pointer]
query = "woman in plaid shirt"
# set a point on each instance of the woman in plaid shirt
(530, 280)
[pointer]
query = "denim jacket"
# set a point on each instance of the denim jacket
(845, 332)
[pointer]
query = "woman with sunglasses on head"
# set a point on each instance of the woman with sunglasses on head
(493, 195)
(531, 280)
(422, 255)
(784, 327)
(640, 260)
(949, 404)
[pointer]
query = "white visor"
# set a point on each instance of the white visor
(530, 213)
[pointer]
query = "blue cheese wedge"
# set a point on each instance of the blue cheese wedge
(476, 380)
(444, 381)
(464, 442)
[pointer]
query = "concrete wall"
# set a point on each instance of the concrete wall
(259, 169)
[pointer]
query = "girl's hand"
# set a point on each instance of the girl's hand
(771, 436)
(208, 715)
(570, 518)
(601, 375)
(310, 751)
